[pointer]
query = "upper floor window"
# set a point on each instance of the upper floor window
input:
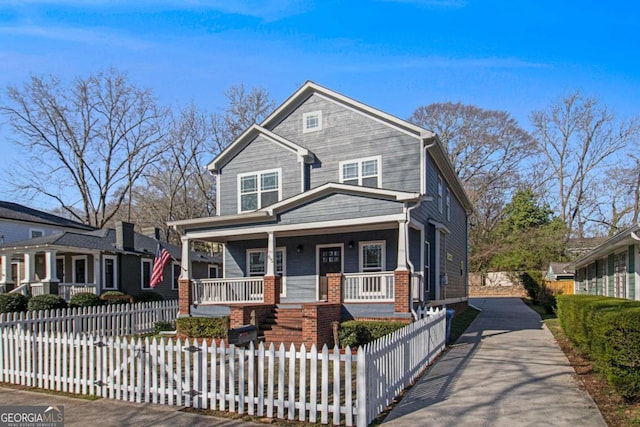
(448, 202)
(365, 172)
(258, 189)
(312, 121)
(440, 189)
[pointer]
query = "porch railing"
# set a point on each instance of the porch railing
(67, 290)
(417, 287)
(227, 291)
(3, 288)
(362, 287)
(38, 289)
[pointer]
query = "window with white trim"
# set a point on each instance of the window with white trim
(364, 172)
(109, 272)
(79, 269)
(145, 274)
(312, 122)
(372, 256)
(35, 232)
(60, 270)
(440, 194)
(258, 189)
(175, 268)
(213, 271)
(256, 265)
(448, 202)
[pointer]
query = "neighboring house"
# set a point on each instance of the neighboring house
(559, 278)
(72, 257)
(330, 210)
(611, 268)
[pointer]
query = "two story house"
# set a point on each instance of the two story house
(330, 210)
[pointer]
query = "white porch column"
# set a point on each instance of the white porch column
(5, 274)
(50, 266)
(402, 245)
(185, 262)
(97, 271)
(271, 254)
(29, 267)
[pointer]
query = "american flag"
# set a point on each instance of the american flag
(162, 256)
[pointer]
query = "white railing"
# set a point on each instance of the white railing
(38, 289)
(225, 291)
(116, 319)
(22, 289)
(3, 288)
(361, 287)
(327, 387)
(67, 290)
(417, 287)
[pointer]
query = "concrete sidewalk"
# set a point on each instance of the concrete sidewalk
(506, 370)
(115, 413)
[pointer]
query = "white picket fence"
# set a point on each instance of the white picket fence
(327, 387)
(106, 320)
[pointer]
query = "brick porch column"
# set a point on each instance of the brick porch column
(184, 297)
(402, 280)
(272, 289)
(334, 288)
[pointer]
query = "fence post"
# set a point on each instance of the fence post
(361, 387)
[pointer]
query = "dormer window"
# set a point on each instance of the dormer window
(365, 172)
(257, 190)
(312, 122)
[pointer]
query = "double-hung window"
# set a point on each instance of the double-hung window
(145, 274)
(365, 172)
(372, 259)
(448, 203)
(257, 266)
(258, 189)
(440, 190)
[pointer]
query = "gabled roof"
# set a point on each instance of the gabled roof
(626, 237)
(560, 268)
(16, 212)
(270, 212)
(249, 135)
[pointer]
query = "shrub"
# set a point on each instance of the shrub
(10, 303)
(85, 299)
(540, 295)
(46, 302)
(148, 296)
(360, 332)
(116, 297)
(161, 326)
(203, 327)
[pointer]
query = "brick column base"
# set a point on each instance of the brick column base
(184, 297)
(334, 288)
(402, 280)
(317, 324)
(272, 289)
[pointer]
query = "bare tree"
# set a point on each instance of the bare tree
(578, 138)
(93, 138)
(243, 110)
(487, 149)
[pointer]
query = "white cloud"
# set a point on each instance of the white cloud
(77, 35)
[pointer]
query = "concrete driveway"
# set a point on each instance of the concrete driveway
(506, 370)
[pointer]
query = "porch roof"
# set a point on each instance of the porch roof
(625, 238)
(269, 214)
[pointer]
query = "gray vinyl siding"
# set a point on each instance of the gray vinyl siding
(261, 154)
(13, 231)
(349, 135)
(340, 206)
(301, 266)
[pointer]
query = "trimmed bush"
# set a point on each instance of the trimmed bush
(85, 299)
(533, 282)
(162, 326)
(46, 302)
(360, 332)
(10, 303)
(148, 296)
(607, 330)
(116, 297)
(203, 327)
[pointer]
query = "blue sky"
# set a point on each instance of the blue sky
(394, 55)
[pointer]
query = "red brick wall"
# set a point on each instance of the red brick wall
(272, 289)
(401, 283)
(184, 296)
(317, 322)
(334, 291)
(241, 314)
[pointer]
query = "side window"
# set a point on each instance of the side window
(146, 274)
(440, 194)
(364, 172)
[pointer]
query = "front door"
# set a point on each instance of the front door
(329, 261)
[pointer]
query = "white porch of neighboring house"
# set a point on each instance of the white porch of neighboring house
(39, 271)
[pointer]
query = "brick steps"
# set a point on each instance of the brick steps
(283, 325)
